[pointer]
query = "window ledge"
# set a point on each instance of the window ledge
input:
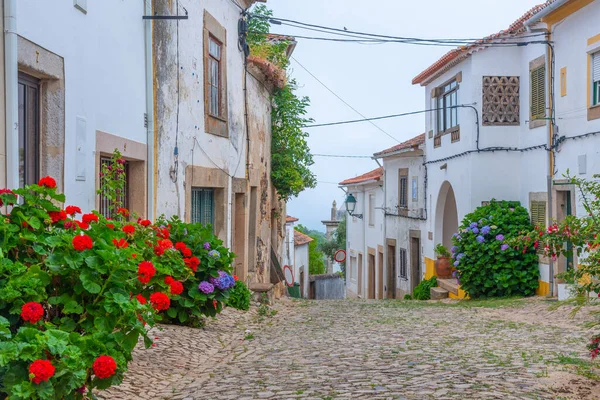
(593, 112)
(536, 123)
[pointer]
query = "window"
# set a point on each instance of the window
(596, 79)
(500, 100)
(214, 76)
(538, 93)
(203, 206)
(538, 214)
(106, 207)
(447, 100)
(29, 130)
(371, 210)
(403, 264)
(403, 189)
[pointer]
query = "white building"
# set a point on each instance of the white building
(405, 213)
(516, 103)
(302, 261)
(364, 236)
(76, 88)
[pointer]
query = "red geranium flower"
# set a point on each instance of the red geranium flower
(110, 226)
(141, 299)
(186, 252)
(159, 251)
(40, 371)
(146, 271)
(121, 243)
(163, 233)
(70, 225)
(235, 277)
(160, 301)
(215, 304)
(123, 211)
(89, 218)
(129, 229)
(104, 367)
(82, 225)
(48, 182)
(192, 262)
(82, 242)
(56, 216)
(176, 287)
(32, 312)
(169, 280)
(72, 210)
(180, 246)
(145, 222)
(6, 191)
(165, 244)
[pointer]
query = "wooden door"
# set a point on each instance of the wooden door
(380, 275)
(391, 272)
(360, 275)
(371, 284)
(415, 262)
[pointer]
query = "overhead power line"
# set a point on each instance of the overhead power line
(342, 100)
(340, 156)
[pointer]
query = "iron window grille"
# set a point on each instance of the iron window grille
(203, 205)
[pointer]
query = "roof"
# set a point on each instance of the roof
(374, 175)
(290, 219)
(275, 38)
(300, 238)
(409, 144)
(459, 54)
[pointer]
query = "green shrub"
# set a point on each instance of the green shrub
(407, 297)
(488, 266)
(239, 296)
(422, 290)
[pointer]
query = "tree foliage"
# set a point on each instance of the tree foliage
(291, 157)
(316, 258)
(337, 242)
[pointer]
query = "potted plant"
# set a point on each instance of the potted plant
(566, 284)
(443, 268)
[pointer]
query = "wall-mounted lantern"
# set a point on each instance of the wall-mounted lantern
(351, 206)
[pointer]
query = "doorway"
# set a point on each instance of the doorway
(380, 273)
(371, 283)
(446, 215)
(415, 263)
(565, 208)
(391, 271)
(360, 275)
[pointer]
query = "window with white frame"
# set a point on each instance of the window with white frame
(595, 78)
(403, 191)
(214, 77)
(447, 100)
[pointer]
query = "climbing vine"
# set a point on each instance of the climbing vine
(291, 157)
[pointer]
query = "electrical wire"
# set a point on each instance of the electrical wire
(340, 156)
(342, 100)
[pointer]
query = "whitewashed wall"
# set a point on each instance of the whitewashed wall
(104, 61)
(301, 263)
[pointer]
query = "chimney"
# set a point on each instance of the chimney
(334, 211)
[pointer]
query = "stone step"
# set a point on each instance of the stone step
(437, 293)
(450, 285)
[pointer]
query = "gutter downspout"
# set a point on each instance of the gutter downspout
(545, 12)
(384, 244)
(11, 71)
(149, 114)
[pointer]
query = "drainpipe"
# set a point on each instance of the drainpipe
(11, 71)
(229, 209)
(149, 114)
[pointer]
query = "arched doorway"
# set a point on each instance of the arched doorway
(446, 216)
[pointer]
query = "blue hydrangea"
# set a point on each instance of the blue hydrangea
(456, 263)
(473, 225)
(214, 254)
(223, 282)
(207, 246)
(460, 255)
(504, 247)
(475, 231)
(500, 237)
(485, 230)
(206, 287)
(480, 239)
(458, 237)
(453, 249)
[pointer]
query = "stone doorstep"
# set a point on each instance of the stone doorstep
(259, 288)
(438, 293)
(451, 285)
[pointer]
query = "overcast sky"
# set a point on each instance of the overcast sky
(375, 78)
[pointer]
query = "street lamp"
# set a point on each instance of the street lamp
(351, 206)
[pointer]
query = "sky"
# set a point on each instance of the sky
(375, 79)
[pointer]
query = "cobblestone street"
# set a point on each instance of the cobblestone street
(368, 349)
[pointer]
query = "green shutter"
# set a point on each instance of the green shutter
(538, 92)
(538, 214)
(203, 206)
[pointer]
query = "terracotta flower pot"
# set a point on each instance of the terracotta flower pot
(443, 268)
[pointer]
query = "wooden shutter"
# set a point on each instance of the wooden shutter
(403, 192)
(538, 214)
(403, 266)
(538, 92)
(596, 67)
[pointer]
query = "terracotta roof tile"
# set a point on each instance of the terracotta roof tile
(416, 141)
(300, 238)
(290, 219)
(455, 56)
(376, 174)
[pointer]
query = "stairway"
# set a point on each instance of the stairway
(451, 285)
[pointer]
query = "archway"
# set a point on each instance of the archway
(446, 215)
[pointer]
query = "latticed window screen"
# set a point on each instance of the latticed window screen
(538, 92)
(107, 207)
(403, 266)
(403, 189)
(500, 100)
(203, 206)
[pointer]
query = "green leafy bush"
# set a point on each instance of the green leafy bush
(487, 265)
(423, 289)
(77, 294)
(239, 296)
